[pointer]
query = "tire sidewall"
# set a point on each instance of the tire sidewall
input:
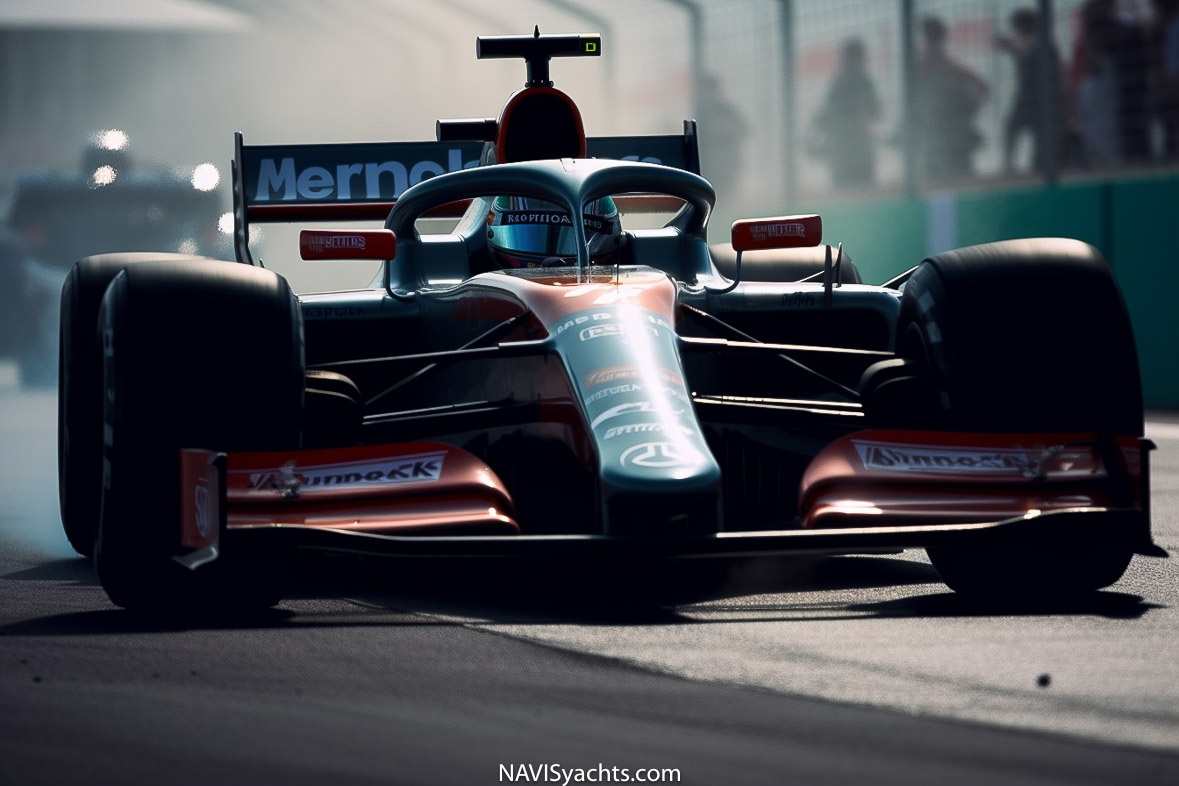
(79, 392)
(1023, 336)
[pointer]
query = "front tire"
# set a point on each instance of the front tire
(79, 392)
(1023, 336)
(200, 355)
(1030, 574)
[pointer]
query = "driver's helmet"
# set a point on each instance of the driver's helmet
(530, 232)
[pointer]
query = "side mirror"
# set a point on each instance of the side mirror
(751, 234)
(347, 244)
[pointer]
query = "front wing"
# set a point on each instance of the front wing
(430, 500)
(1129, 528)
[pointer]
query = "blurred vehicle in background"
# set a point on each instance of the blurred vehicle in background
(110, 204)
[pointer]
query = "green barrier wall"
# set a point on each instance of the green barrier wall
(883, 238)
(1135, 223)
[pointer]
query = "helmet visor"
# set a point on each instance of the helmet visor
(536, 238)
(527, 228)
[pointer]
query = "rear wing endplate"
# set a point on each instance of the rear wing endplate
(362, 181)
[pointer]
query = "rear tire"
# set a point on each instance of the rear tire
(1023, 336)
(200, 355)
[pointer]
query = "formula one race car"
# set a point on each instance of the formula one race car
(555, 362)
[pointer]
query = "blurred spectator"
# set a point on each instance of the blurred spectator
(722, 135)
(842, 130)
(948, 96)
(1110, 76)
(1027, 47)
(1094, 80)
(1165, 73)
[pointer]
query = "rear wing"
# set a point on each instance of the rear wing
(362, 181)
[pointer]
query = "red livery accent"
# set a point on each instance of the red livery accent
(488, 305)
(415, 488)
(455, 514)
(613, 374)
(517, 138)
(911, 478)
(347, 244)
(752, 234)
(555, 299)
(200, 504)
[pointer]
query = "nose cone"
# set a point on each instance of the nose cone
(646, 431)
(656, 473)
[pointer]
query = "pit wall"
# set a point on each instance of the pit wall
(1134, 222)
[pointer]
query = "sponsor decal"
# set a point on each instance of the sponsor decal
(604, 376)
(286, 482)
(203, 505)
(614, 295)
(632, 407)
(645, 428)
(280, 178)
(668, 392)
(328, 312)
(528, 217)
(886, 457)
(612, 391)
(292, 481)
(653, 323)
(779, 232)
(667, 150)
(764, 232)
(547, 217)
(800, 300)
(609, 294)
(321, 243)
(599, 331)
(658, 455)
(583, 319)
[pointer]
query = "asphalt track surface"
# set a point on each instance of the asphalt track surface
(852, 670)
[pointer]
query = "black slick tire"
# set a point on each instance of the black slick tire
(200, 355)
(1023, 336)
(79, 392)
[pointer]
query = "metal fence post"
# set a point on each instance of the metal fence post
(1048, 85)
(696, 36)
(790, 142)
(909, 101)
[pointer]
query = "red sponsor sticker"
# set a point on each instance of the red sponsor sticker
(347, 244)
(751, 234)
(292, 480)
